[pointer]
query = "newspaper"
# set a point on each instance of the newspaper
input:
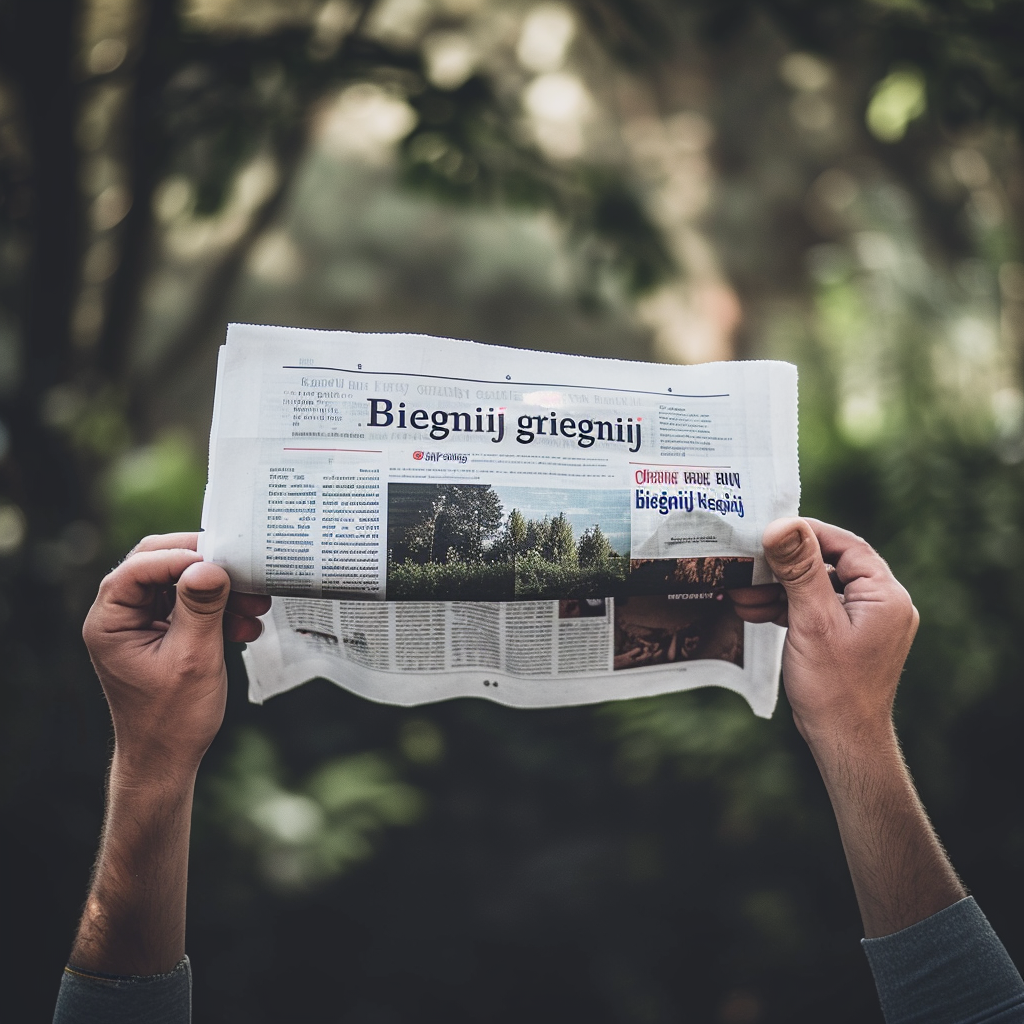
(438, 518)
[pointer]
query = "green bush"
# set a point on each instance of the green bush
(450, 581)
(538, 578)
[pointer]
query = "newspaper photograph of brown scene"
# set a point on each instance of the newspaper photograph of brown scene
(688, 575)
(661, 629)
(583, 608)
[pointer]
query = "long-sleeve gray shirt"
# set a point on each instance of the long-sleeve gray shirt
(89, 998)
(950, 968)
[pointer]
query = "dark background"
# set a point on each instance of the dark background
(837, 182)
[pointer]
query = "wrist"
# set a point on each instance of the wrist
(134, 918)
(152, 770)
(862, 742)
(900, 872)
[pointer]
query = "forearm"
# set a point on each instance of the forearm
(900, 872)
(134, 917)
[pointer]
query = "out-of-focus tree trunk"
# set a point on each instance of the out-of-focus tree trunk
(38, 51)
(146, 154)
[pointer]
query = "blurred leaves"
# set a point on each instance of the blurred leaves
(709, 737)
(303, 836)
(157, 488)
(421, 741)
(896, 101)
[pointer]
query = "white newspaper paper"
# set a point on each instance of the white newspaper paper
(439, 518)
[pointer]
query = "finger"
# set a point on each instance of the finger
(792, 550)
(161, 541)
(869, 587)
(764, 593)
(763, 603)
(248, 604)
(761, 612)
(833, 576)
(241, 629)
(853, 557)
(202, 593)
(132, 583)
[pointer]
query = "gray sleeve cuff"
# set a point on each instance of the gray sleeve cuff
(89, 998)
(950, 968)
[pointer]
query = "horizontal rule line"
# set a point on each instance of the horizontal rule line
(497, 383)
(677, 465)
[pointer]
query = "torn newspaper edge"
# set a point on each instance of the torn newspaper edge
(439, 518)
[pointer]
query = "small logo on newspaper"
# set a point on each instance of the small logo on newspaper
(462, 457)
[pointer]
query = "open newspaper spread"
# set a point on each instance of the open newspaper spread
(439, 518)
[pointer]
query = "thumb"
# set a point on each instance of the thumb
(794, 554)
(202, 594)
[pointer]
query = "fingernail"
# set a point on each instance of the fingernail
(789, 544)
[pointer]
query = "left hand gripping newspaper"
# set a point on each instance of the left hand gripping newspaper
(439, 518)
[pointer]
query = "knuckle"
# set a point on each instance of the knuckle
(145, 544)
(912, 617)
(860, 546)
(797, 572)
(132, 552)
(106, 583)
(90, 627)
(902, 617)
(905, 604)
(94, 633)
(916, 616)
(192, 665)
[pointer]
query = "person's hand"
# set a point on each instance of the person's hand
(844, 651)
(155, 634)
(850, 631)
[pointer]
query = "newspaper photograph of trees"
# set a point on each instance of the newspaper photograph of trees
(463, 542)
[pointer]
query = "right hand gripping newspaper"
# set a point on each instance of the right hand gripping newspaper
(439, 518)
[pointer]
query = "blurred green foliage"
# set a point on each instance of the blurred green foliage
(314, 832)
(157, 488)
